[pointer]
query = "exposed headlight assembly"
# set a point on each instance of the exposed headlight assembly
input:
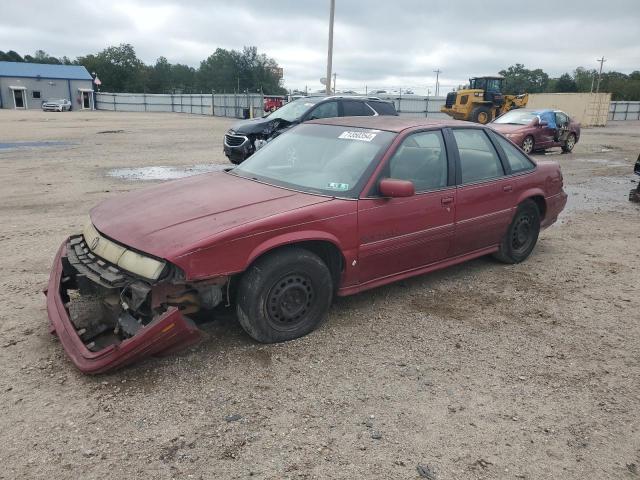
(124, 258)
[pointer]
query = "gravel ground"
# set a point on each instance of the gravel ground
(482, 370)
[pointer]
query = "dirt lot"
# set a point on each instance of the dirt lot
(479, 371)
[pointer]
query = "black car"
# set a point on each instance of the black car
(247, 136)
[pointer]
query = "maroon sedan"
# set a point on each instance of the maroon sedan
(538, 130)
(332, 207)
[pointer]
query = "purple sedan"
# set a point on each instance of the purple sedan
(538, 130)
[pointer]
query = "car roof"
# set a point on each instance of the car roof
(538, 110)
(391, 123)
(363, 98)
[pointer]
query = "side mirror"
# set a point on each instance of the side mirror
(542, 124)
(393, 188)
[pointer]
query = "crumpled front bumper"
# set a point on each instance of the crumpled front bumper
(167, 333)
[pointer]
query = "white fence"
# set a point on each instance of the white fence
(219, 105)
(416, 105)
(245, 105)
(624, 111)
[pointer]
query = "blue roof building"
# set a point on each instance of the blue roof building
(28, 85)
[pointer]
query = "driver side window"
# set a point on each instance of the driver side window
(422, 159)
(324, 110)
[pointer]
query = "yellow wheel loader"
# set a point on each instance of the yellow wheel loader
(482, 101)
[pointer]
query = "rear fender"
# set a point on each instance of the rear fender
(530, 193)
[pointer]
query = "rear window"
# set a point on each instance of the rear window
(517, 160)
(478, 159)
(383, 108)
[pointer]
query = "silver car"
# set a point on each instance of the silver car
(56, 105)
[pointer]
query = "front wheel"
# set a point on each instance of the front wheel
(527, 144)
(481, 115)
(522, 235)
(284, 295)
(569, 144)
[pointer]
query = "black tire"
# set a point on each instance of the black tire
(284, 295)
(481, 115)
(634, 195)
(528, 145)
(522, 235)
(569, 144)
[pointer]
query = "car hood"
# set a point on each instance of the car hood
(505, 128)
(170, 219)
(259, 125)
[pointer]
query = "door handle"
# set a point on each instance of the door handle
(507, 188)
(447, 200)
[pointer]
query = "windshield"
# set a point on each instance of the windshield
(325, 159)
(516, 117)
(292, 111)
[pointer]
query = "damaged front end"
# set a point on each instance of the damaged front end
(106, 316)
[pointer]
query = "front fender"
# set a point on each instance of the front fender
(288, 239)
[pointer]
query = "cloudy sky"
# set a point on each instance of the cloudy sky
(380, 44)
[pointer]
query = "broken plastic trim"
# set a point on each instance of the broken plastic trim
(166, 333)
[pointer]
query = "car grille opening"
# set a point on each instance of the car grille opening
(234, 140)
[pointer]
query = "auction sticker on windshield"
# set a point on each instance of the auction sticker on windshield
(338, 186)
(363, 136)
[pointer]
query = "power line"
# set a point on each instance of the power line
(437, 72)
(330, 49)
(601, 60)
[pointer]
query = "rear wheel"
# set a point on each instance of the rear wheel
(284, 295)
(522, 235)
(481, 115)
(569, 144)
(527, 144)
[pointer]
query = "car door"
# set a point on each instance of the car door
(485, 196)
(544, 133)
(562, 122)
(402, 234)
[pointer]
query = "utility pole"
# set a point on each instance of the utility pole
(330, 49)
(334, 83)
(601, 60)
(437, 72)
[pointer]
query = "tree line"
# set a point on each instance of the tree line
(229, 71)
(518, 79)
(120, 70)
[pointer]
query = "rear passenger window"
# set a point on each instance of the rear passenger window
(383, 108)
(355, 109)
(478, 159)
(421, 159)
(516, 159)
